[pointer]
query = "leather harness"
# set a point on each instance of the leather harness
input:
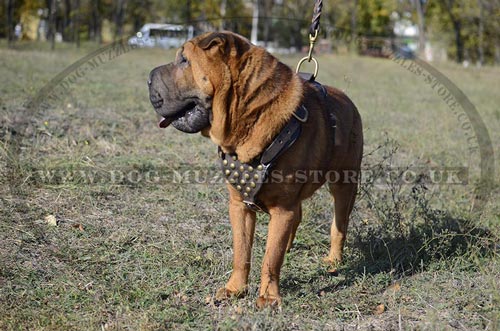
(248, 178)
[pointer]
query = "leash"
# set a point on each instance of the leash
(313, 36)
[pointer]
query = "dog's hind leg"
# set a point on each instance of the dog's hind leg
(344, 195)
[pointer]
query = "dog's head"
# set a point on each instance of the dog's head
(183, 92)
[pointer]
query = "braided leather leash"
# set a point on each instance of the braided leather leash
(318, 7)
(313, 35)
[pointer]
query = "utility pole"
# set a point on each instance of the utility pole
(223, 14)
(255, 22)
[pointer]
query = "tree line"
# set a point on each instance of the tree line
(467, 29)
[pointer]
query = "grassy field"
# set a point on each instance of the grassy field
(101, 246)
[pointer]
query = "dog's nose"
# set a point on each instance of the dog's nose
(150, 77)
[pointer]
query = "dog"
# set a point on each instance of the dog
(292, 133)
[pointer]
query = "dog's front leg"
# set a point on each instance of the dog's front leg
(243, 227)
(280, 227)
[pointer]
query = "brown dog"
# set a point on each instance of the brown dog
(242, 97)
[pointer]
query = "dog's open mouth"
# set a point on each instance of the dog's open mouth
(191, 119)
(166, 121)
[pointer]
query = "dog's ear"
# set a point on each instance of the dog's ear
(213, 40)
(226, 42)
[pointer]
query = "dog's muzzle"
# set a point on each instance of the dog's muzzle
(156, 99)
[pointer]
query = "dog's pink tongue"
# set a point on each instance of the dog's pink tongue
(164, 122)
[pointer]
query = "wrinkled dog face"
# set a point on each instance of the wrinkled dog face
(181, 92)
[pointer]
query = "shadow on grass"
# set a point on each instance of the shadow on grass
(437, 238)
(398, 233)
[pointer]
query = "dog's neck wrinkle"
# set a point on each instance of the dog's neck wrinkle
(239, 108)
(258, 122)
(248, 107)
(219, 130)
(254, 117)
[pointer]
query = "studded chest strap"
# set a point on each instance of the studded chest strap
(247, 178)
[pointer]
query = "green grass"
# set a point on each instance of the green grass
(150, 255)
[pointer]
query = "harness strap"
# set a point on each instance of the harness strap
(287, 136)
(248, 178)
(308, 77)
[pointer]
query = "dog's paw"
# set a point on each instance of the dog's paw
(333, 265)
(224, 294)
(269, 301)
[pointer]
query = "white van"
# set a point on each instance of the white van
(162, 35)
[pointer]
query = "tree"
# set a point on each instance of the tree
(67, 22)
(96, 28)
(491, 26)
(141, 11)
(452, 9)
(234, 10)
(353, 22)
(422, 40)
(77, 19)
(119, 15)
(374, 17)
(481, 32)
(293, 32)
(10, 20)
(268, 8)
(52, 6)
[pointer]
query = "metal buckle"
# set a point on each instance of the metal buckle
(306, 115)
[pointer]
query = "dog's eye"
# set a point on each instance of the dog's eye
(182, 59)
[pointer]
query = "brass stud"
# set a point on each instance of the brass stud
(224, 162)
(248, 189)
(236, 174)
(232, 180)
(242, 182)
(259, 167)
(241, 168)
(227, 172)
(238, 188)
(245, 195)
(252, 184)
(256, 176)
(235, 158)
(250, 168)
(232, 166)
(247, 176)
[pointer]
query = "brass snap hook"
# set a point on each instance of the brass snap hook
(316, 65)
(309, 57)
